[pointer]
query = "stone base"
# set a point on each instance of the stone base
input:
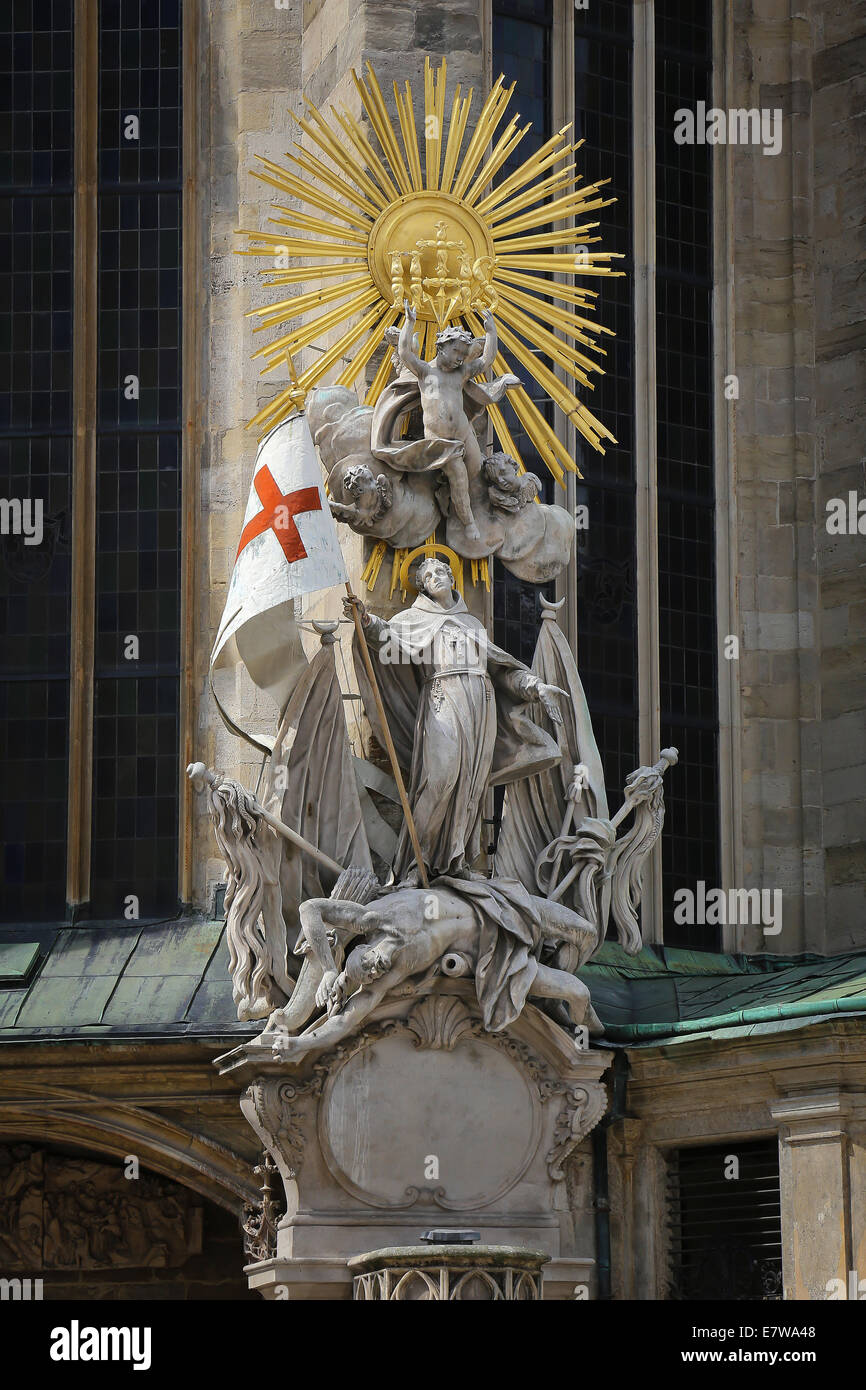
(427, 1120)
(329, 1278)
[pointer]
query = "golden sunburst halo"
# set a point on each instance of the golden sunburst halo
(448, 237)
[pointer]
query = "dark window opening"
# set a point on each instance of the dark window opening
(522, 38)
(36, 199)
(135, 798)
(606, 550)
(725, 1223)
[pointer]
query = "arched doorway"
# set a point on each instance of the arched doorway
(91, 1226)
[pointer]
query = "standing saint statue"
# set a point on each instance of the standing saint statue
(455, 707)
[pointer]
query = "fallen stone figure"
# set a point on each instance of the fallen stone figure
(493, 929)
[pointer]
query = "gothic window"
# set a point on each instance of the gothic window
(36, 431)
(90, 427)
(645, 576)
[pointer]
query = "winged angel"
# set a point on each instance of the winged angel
(358, 938)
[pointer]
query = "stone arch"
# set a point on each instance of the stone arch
(115, 1129)
(75, 1225)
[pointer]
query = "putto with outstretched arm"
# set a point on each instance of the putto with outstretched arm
(452, 404)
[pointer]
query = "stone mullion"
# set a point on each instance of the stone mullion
(645, 436)
(194, 302)
(86, 115)
(724, 445)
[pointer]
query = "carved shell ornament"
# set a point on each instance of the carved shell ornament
(423, 212)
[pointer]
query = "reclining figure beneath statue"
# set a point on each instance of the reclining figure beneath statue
(493, 928)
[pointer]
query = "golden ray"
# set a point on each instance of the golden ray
(503, 433)
(554, 289)
(434, 113)
(429, 348)
(320, 171)
(558, 393)
(301, 303)
(288, 183)
(318, 131)
(389, 192)
(358, 136)
(362, 357)
(489, 117)
(302, 273)
(297, 246)
(283, 404)
(371, 320)
(563, 319)
(564, 237)
(303, 336)
(406, 116)
(380, 380)
(300, 221)
(550, 153)
(541, 217)
(456, 131)
(552, 184)
(374, 105)
(550, 448)
(542, 338)
(560, 265)
(508, 141)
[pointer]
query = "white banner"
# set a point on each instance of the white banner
(288, 547)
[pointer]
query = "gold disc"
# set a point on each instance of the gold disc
(423, 226)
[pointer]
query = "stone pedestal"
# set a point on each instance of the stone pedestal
(424, 1119)
(448, 1273)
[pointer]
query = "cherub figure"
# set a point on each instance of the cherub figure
(508, 489)
(370, 497)
(459, 357)
(453, 408)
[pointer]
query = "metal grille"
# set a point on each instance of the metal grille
(36, 158)
(607, 611)
(686, 498)
(725, 1225)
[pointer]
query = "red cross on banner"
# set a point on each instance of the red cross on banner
(278, 514)
(260, 614)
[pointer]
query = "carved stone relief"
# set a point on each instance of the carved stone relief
(61, 1213)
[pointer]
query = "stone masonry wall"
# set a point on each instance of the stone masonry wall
(798, 244)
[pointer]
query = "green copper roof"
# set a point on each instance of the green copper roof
(170, 979)
(670, 993)
(130, 979)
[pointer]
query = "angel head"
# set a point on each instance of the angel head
(371, 495)
(453, 347)
(507, 487)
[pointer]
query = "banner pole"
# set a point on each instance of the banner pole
(389, 742)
